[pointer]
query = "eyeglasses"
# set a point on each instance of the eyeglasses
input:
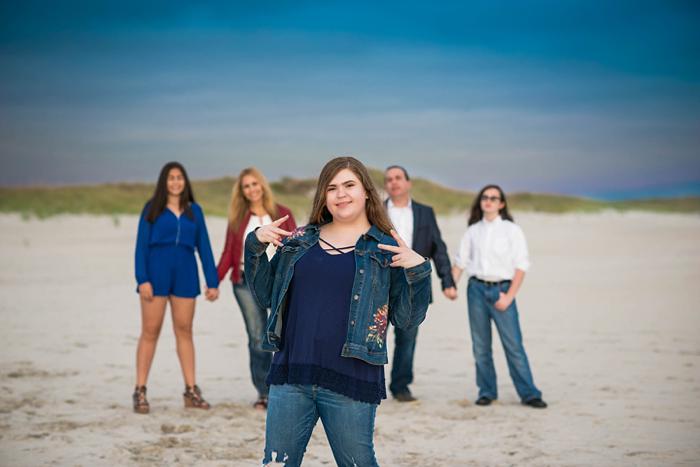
(493, 199)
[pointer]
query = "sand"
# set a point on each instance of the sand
(608, 314)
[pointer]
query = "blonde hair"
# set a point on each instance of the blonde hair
(374, 208)
(240, 205)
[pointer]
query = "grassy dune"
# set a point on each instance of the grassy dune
(214, 195)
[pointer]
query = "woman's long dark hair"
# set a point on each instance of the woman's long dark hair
(477, 213)
(160, 195)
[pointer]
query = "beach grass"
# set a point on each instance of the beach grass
(214, 195)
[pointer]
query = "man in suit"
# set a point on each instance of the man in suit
(416, 224)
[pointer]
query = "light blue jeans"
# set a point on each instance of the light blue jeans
(292, 413)
(255, 319)
(480, 299)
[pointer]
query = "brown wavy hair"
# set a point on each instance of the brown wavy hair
(476, 212)
(240, 205)
(374, 208)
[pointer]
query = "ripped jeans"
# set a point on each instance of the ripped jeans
(292, 413)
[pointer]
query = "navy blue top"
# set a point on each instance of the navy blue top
(169, 229)
(314, 329)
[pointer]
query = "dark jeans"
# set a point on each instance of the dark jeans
(255, 319)
(480, 299)
(402, 363)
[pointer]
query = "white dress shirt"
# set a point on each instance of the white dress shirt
(493, 250)
(253, 223)
(402, 219)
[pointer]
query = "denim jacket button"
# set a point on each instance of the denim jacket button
(362, 271)
(356, 297)
(352, 323)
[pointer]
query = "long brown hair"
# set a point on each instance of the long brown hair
(374, 208)
(477, 213)
(240, 205)
(160, 195)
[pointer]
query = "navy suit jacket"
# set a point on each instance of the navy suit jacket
(427, 241)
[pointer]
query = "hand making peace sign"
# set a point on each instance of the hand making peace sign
(404, 256)
(271, 233)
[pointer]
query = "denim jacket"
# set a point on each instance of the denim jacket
(380, 293)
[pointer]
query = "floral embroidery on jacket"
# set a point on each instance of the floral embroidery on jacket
(377, 330)
(298, 232)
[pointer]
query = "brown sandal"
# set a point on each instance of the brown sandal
(261, 403)
(140, 401)
(193, 398)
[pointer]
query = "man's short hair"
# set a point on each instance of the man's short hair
(405, 172)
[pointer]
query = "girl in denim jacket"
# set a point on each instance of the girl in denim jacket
(333, 286)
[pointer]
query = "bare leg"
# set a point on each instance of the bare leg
(183, 315)
(152, 314)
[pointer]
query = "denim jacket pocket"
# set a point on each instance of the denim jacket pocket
(286, 253)
(380, 264)
(289, 249)
(383, 259)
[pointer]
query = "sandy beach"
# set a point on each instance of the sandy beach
(608, 314)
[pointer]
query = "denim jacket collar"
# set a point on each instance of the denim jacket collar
(309, 233)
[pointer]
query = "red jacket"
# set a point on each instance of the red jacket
(233, 250)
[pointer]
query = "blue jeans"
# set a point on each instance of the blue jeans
(255, 319)
(402, 363)
(292, 413)
(480, 299)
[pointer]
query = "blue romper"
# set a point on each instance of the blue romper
(165, 253)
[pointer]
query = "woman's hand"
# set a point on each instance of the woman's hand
(503, 302)
(404, 257)
(272, 233)
(450, 292)
(146, 291)
(211, 294)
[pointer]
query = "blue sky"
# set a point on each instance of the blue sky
(582, 97)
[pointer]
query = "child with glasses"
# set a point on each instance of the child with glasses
(494, 252)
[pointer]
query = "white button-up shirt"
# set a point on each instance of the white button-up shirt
(402, 218)
(254, 223)
(493, 250)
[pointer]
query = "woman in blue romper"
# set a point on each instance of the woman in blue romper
(170, 229)
(333, 286)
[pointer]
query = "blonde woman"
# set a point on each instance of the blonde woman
(252, 205)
